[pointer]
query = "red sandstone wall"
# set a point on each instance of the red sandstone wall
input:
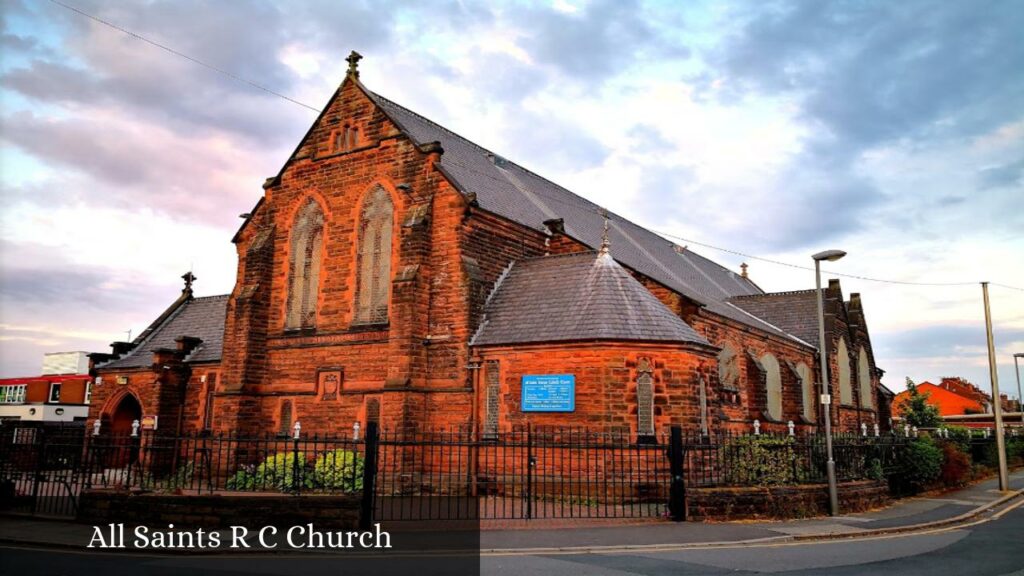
(606, 377)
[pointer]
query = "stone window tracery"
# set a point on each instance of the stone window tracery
(304, 266)
(374, 261)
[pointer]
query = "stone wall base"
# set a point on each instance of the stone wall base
(217, 511)
(782, 502)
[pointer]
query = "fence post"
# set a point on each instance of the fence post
(530, 462)
(371, 438)
(40, 466)
(677, 490)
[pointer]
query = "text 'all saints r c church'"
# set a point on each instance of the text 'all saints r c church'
(396, 272)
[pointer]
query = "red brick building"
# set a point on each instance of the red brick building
(395, 271)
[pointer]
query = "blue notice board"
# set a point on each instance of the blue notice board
(549, 393)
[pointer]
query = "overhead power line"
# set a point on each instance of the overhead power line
(166, 48)
(597, 209)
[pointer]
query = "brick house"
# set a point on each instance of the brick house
(394, 271)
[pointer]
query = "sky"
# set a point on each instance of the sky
(891, 130)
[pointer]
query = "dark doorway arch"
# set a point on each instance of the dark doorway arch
(127, 411)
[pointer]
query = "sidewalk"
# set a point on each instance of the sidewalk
(903, 513)
(541, 534)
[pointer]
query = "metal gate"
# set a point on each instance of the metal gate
(526, 474)
(41, 469)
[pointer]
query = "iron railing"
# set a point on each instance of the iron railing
(525, 473)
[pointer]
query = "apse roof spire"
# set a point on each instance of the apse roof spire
(353, 63)
(605, 243)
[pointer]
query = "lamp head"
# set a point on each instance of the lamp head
(1019, 355)
(829, 255)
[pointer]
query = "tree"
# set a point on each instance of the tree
(916, 411)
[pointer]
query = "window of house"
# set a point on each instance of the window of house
(12, 394)
(864, 378)
(346, 139)
(845, 384)
(211, 386)
(644, 400)
(88, 392)
(284, 427)
(803, 373)
(54, 392)
(773, 386)
(374, 266)
(304, 266)
(492, 401)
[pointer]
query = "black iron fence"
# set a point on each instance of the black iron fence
(523, 474)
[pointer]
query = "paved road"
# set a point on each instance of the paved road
(992, 548)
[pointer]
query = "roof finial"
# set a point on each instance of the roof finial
(743, 270)
(605, 243)
(353, 63)
(189, 278)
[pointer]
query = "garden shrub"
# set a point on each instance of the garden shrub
(277, 472)
(763, 460)
(956, 465)
(339, 470)
(875, 470)
(921, 463)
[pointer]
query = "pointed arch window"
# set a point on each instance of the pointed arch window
(803, 373)
(845, 384)
(374, 266)
(773, 386)
(304, 266)
(864, 378)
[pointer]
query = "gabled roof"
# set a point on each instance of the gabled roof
(949, 403)
(795, 312)
(511, 191)
(198, 317)
(576, 297)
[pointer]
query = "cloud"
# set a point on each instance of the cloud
(599, 40)
(873, 72)
(1004, 175)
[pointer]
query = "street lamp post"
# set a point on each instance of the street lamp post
(826, 396)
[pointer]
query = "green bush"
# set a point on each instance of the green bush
(961, 436)
(921, 462)
(1015, 451)
(339, 470)
(277, 472)
(763, 460)
(875, 470)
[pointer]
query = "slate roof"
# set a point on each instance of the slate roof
(199, 317)
(573, 297)
(509, 190)
(794, 312)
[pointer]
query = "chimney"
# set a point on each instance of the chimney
(119, 348)
(743, 270)
(186, 344)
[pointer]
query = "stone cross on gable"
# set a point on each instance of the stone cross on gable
(189, 278)
(353, 63)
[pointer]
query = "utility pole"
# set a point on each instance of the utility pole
(1020, 398)
(997, 408)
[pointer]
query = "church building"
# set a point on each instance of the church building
(394, 271)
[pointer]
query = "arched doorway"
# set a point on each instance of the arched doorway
(125, 448)
(127, 411)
